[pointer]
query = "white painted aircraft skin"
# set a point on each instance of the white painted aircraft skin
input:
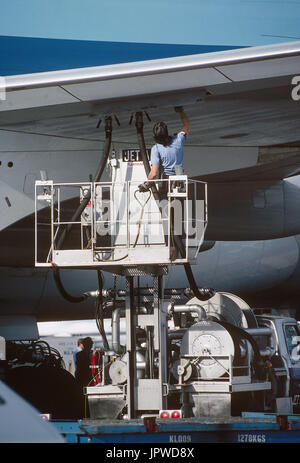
(22, 423)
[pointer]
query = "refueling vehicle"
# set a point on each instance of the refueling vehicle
(194, 350)
(220, 359)
(190, 353)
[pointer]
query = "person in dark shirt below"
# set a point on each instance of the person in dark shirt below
(83, 372)
(78, 349)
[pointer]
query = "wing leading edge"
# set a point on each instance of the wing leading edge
(149, 78)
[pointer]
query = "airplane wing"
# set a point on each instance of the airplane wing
(247, 95)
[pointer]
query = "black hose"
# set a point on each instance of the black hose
(143, 151)
(140, 135)
(258, 360)
(103, 162)
(237, 349)
(79, 211)
(99, 311)
(61, 289)
(202, 294)
(98, 175)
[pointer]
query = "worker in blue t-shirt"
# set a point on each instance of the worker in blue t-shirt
(167, 159)
(167, 153)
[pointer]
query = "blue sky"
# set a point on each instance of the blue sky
(207, 22)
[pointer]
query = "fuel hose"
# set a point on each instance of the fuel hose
(79, 211)
(203, 294)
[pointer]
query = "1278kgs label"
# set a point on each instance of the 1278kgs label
(252, 438)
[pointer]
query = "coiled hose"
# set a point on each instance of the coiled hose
(236, 331)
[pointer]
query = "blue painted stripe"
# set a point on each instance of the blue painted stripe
(23, 55)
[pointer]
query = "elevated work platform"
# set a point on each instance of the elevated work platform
(117, 227)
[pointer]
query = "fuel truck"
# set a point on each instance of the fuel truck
(220, 359)
(194, 352)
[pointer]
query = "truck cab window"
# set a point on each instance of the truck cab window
(291, 333)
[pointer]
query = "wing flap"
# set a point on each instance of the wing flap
(266, 69)
(128, 87)
(35, 98)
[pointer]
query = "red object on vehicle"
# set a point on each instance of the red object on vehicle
(170, 414)
(150, 424)
(96, 363)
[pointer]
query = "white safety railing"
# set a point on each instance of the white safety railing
(105, 223)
